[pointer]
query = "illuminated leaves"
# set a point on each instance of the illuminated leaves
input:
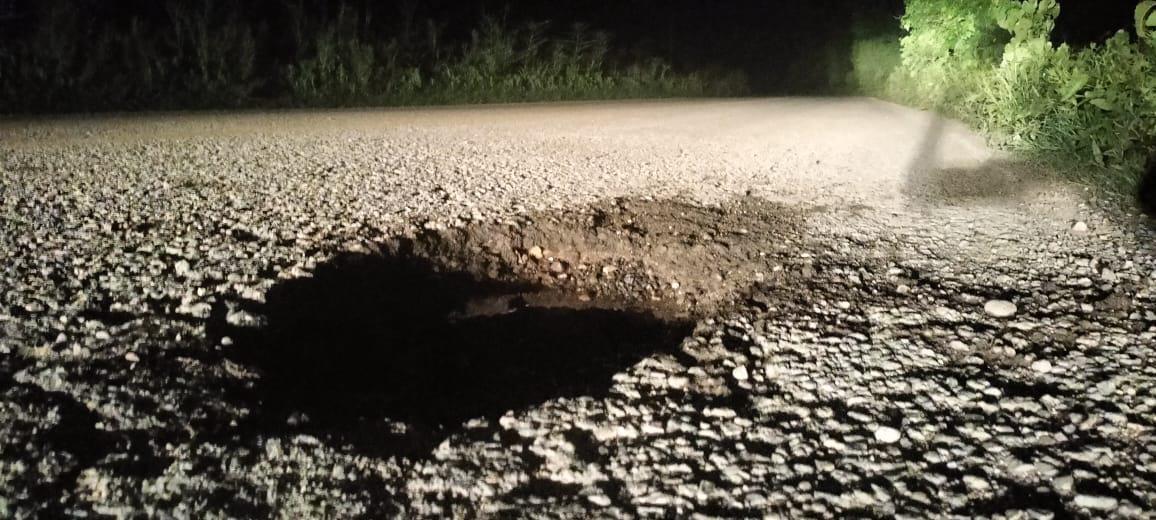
(1102, 104)
(1028, 19)
(1087, 107)
(1078, 80)
(1146, 20)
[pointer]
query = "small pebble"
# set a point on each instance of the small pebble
(887, 435)
(1000, 309)
(599, 500)
(182, 268)
(1096, 502)
(976, 484)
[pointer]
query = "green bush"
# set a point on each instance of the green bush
(946, 52)
(335, 63)
(1094, 107)
(992, 63)
(873, 62)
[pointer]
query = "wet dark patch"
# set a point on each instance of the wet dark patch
(390, 354)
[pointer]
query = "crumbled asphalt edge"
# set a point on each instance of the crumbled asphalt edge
(130, 411)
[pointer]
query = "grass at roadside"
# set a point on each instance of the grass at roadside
(201, 54)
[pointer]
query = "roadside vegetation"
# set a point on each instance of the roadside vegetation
(993, 63)
(205, 54)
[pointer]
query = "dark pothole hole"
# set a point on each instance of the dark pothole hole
(393, 353)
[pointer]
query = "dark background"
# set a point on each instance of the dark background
(769, 40)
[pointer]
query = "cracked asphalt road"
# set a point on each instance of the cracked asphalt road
(917, 326)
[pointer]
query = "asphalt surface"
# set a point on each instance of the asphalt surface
(906, 323)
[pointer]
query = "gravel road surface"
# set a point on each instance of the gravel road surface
(752, 308)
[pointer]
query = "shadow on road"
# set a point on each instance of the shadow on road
(995, 179)
(377, 353)
(1146, 192)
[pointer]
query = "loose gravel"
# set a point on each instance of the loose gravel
(809, 318)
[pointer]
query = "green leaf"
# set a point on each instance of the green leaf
(1145, 17)
(1079, 79)
(1102, 104)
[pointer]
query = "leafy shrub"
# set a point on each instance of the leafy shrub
(211, 54)
(946, 52)
(1094, 107)
(992, 63)
(873, 61)
(335, 64)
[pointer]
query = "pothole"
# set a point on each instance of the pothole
(393, 348)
